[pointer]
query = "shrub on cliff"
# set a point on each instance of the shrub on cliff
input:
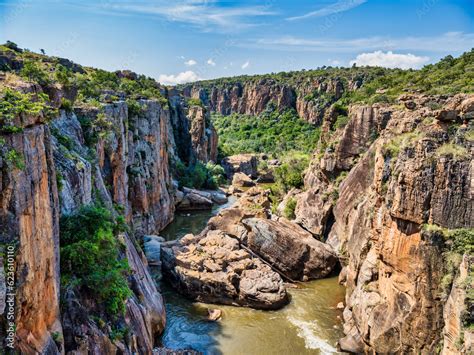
(33, 72)
(91, 256)
(14, 103)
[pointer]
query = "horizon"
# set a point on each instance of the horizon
(194, 40)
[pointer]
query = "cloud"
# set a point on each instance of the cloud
(190, 62)
(447, 42)
(339, 6)
(181, 78)
(211, 62)
(390, 60)
(209, 15)
(245, 65)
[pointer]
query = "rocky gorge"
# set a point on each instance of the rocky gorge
(386, 203)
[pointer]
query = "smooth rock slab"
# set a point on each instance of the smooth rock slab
(289, 248)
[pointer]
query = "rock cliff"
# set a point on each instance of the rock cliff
(376, 189)
(115, 153)
(309, 95)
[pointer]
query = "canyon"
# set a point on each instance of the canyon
(387, 203)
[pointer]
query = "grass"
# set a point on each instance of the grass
(400, 142)
(454, 150)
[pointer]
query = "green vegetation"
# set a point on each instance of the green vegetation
(272, 133)
(200, 175)
(457, 151)
(341, 122)
(91, 256)
(458, 242)
(195, 102)
(34, 73)
(14, 103)
(289, 210)
(448, 76)
(290, 174)
(400, 142)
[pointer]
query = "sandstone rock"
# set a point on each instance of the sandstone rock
(467, 108)
(455, 309)
(242, 180)
(289, 248)
(152, 248)
(446, 115)
(214, 314)
(203, 135)
(242, 163)
(265, 177)
(195, 200)
(219, 197)
(212, 268)
(29, 219)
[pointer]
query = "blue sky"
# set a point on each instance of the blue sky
(185, 40)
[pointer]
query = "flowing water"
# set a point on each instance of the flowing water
(310, 324)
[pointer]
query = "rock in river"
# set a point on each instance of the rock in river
(213, 268)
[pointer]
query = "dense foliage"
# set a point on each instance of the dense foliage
(91, 256)
(272, 133)
(200, 175)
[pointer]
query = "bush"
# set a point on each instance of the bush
(289, 210)
(291, 173)
(195, 102)
(90, 256)
(33, 72)
(341, 122)
(14, 103)
(199, 176)
(66, 105)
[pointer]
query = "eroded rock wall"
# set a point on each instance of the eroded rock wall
(110, 155)
(371, 189)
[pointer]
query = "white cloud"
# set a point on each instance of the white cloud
(390, 60)
(211, 62)
(206, 14)
(339, 6)
(181, 78)
(190, 62)
(245, 65)
(447, 42)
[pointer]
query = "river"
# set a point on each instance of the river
(310, 324)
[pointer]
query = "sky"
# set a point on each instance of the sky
(188, 40)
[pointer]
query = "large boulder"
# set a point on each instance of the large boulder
(289, 248)
(241, 163)
(242, 180)
(213, 268)
(195, 200)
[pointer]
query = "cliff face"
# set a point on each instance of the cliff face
(310, 98)
(377, 182)
(114, 154)
(29, 220)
